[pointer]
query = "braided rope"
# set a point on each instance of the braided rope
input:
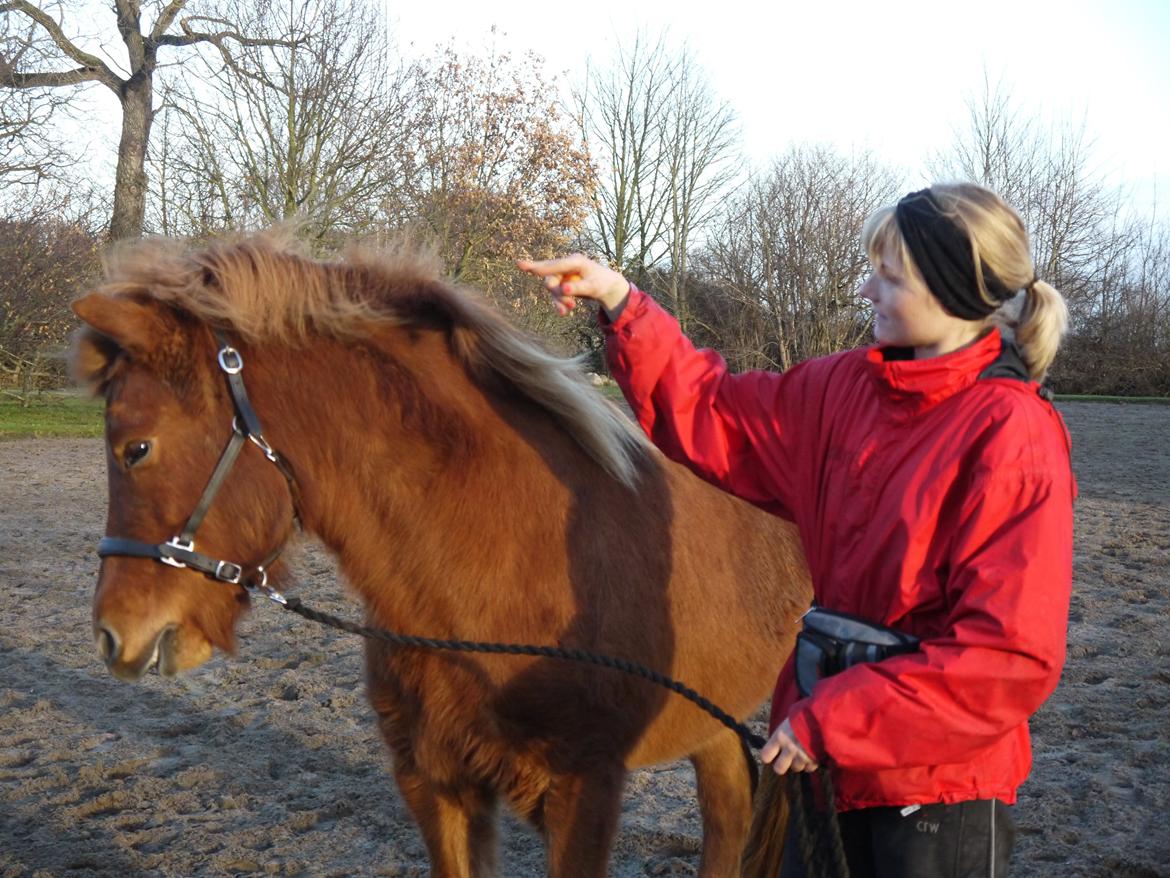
(575, 655)
(801, 798)
(831, 827)
(800, 807)
(822, 850)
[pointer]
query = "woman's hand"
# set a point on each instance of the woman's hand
(572, 277)
(785, 752)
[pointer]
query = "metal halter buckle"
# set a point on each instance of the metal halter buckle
(226, 571)
(176, 543)
(230, 360)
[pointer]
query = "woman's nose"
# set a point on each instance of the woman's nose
(867, 290)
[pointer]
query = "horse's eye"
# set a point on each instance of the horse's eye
(135, 452)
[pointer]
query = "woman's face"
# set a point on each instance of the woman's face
(906, 313)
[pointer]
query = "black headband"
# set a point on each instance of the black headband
(942, 252)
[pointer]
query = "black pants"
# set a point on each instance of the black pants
(965, 840)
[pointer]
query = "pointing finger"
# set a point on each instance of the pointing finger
(575, 263)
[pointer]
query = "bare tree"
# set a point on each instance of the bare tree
(315, 131)
(1001, 147)
(663, 146)
(1123, 345)
(30, 151)
(1046, 174)
(700, 141)
(622, 111)
(193, 193)
(789, 255)
(52, 59)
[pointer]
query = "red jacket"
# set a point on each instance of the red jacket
(926, 499)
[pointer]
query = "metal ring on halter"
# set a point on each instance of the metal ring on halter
(263, 445)
(263, 588)
(229, 353)
(257, 439)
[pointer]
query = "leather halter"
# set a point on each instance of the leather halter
(179, 550)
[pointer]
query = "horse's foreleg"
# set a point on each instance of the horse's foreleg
(459, 828)
(725, 803)
(580, 816)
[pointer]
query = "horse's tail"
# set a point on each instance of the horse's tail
(765, 844)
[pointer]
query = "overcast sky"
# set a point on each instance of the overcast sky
(890, 76)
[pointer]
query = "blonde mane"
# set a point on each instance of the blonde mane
(263, 290)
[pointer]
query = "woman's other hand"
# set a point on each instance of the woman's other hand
(785, 752)
(578, 277)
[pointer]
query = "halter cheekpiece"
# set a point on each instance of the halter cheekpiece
(179, 550)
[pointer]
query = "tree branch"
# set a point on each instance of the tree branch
(166, 18)
(54, 79)
(190, 36)
(91, 64)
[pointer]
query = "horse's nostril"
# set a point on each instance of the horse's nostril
(108, 645)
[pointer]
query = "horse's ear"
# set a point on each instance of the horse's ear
(114, 324)
(133, 326)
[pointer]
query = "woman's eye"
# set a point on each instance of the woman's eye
(135, 452)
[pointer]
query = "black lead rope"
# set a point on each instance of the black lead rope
(800, 792)
(574, 655)
(817, 829)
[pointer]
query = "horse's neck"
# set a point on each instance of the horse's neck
(413, 475)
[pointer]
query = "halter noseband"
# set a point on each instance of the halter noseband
(179, 550)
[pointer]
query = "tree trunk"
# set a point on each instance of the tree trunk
(130, 182)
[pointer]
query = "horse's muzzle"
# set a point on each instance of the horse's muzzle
(160, 654)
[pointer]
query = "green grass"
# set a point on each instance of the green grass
(59, 414)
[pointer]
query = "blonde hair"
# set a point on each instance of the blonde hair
(1037, 317)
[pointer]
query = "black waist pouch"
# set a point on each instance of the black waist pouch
(830, 642)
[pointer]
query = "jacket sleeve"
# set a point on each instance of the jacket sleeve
(1001, 652)
(735, 431)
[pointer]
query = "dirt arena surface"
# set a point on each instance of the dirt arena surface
(268, 763)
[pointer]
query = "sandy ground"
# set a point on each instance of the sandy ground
(268, 763)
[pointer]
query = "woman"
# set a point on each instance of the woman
(931, 483)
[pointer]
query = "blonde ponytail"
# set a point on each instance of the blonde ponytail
(1040, 327)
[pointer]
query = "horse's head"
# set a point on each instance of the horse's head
(169, 415)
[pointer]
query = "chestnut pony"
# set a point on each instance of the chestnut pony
(472, 486)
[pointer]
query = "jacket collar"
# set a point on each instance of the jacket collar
(916, 385)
